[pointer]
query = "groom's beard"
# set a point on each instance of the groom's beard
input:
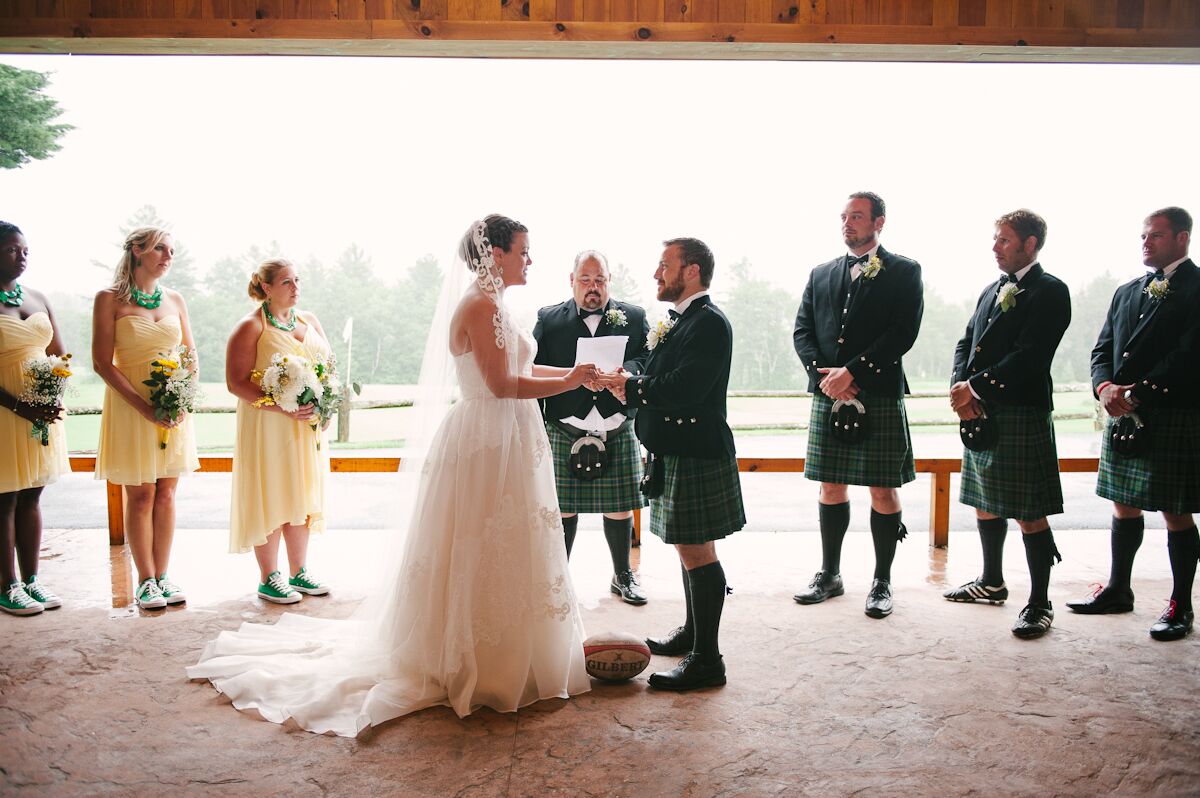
(672, 292)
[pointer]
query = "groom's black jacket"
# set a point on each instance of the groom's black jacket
(881, 324)
(558, 329)
(682, 393)
(1006, 355)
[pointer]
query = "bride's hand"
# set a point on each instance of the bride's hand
(583, 373)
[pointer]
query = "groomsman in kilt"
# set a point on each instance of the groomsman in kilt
(596, 412)
(860, 313)
(1002, 380)
(693, 485)
(1146, 371)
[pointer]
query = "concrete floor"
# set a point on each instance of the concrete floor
(938, 700)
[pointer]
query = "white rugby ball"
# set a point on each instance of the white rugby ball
(615, 656)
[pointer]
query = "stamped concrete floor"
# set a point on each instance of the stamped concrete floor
(938, 700)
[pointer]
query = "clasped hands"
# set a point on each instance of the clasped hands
(838, 384)
(595, 380)
(1112, 396)
(963, 402)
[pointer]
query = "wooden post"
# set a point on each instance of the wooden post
(116, 515)
(939, 509)
(343, 428)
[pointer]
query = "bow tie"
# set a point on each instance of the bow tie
(673, 314)
(583, 314)
(852, 261)
(1008, 278)
(1158, 275)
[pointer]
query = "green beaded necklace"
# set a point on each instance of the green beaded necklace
(148, 301)
(13, 298)
(286, 327)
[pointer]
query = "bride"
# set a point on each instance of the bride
(478, 609)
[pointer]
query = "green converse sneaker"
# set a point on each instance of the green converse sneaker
(306, 584)
(148, 596)
(41, 594)
(172, 592)
(15, 601)
(278, 591)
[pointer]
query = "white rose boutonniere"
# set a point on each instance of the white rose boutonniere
(1008, 296)
(872, 268)
(658, 332)
(1159, 290)
(616, 317)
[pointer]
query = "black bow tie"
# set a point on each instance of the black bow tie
(673, 313)
(1158, 275)
(583, 314)
(851, 261)
(1008, 278)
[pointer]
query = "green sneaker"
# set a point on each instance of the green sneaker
(276, 590)
(306, 584)
(172, 592)
(15, 601)
(148, 596)
(41, 594)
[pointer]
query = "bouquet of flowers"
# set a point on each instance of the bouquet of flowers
(173, 387)
(45, 383)
(293, 380)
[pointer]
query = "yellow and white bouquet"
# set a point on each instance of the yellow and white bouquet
(45, 383)
(293, 380)
(173, 386)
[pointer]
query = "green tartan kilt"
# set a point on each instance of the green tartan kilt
(617, 491)
(1018, 477)
(883, 460)
(1167, 477)
(701, 500)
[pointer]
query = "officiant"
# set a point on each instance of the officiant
(597, 457)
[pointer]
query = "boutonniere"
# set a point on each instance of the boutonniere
(1159, 289)
(872, 268)
(1008, 296)
(616, 317)
(659, 331)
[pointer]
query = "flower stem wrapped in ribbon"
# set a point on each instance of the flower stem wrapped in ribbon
(45, 383)
(173, 387)
(293, 380)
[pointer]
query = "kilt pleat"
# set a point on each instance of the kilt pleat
(1018, 477)
(883, 460)
(701, 500)
(617, 491)
(1167, 477)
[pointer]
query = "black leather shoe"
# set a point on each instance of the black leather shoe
(1104, 601)
(1033, 621)
(692, 673)
(625, 585)
(823, 586)
(879, 600)
(1173, 624)
(677, 643)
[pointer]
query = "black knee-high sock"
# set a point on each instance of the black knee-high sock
(1126, 538)
(689, 623)
(835, 520)
(619, 534)
(886, 531)
(569, 527)
(992, 532)
(1184, 548)
(708, 599)
(1040, 552)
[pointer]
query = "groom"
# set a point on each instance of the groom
(693, 486)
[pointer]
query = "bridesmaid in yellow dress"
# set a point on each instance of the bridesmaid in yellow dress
(278, 468)
(133, 322)
(27, 330)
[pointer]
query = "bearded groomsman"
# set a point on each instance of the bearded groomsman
(1003, 395)
(860, 313)
(1146, 373)
(693, 484)
(595, 414)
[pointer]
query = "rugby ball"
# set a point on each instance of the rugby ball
(615, 656)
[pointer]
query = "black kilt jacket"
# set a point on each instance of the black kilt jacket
(681, 396)
(1006, 355)
(558, 329)
(1155, 346)
(881, 323)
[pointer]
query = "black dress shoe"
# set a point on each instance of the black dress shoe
(692, 673)
(823, 586)
(677, 643)
(1033, 621)
(626, 586)
(1173, 624)
(879, 600)
(1103, 602)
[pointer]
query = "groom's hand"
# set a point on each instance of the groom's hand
(838, 384)
(615, 383)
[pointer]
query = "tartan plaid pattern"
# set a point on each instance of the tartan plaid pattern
(883, 460)
(1167, 477)
(614, 492)
(701, 500)
(1018, 477)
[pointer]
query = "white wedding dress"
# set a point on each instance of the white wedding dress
(481, 612)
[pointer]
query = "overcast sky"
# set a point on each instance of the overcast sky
(399, 155)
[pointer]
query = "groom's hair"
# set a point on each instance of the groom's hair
(878, 206)
(693, 250)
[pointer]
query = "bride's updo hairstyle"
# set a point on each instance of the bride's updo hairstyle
(500, 231)
(265, 273)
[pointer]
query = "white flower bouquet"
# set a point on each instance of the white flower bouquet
(45, 383)
(293, 380)
(173, 387)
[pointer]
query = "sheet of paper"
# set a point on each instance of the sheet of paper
(606, 352)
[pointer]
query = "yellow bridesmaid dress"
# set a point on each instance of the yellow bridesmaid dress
(278, 471)
(24, 461)
(129, 452)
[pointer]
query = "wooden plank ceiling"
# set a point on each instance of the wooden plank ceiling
(1027, 30)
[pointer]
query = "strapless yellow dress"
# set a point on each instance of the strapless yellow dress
(278, 471)
(129, 451)
(24, 461)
